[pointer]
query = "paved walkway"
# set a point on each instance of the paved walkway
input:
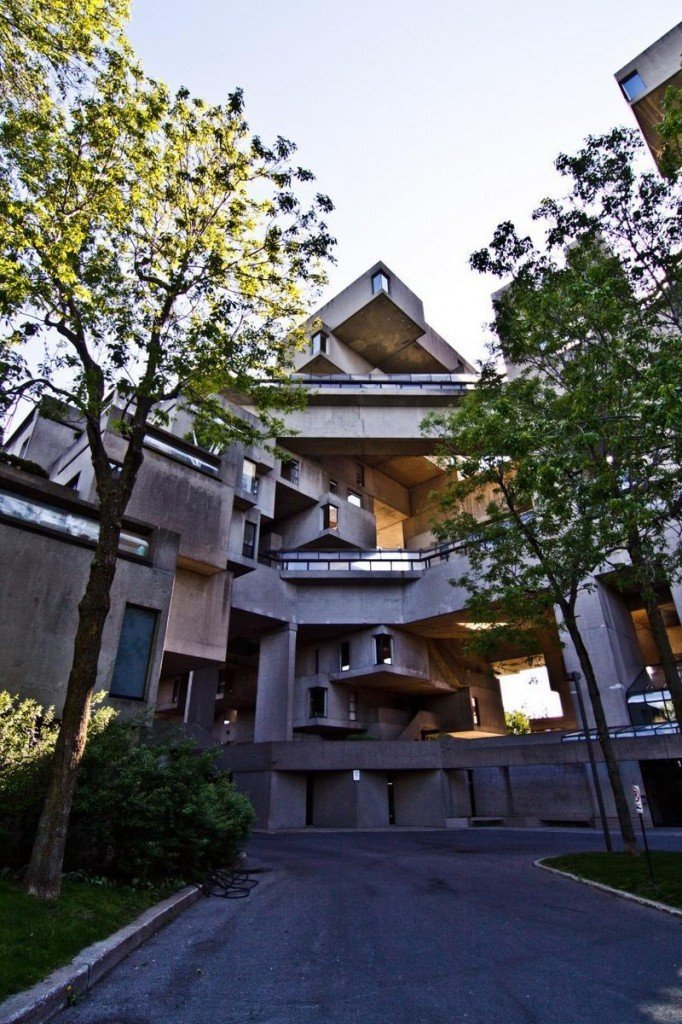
(405, 928)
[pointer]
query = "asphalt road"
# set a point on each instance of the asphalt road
(399, 927)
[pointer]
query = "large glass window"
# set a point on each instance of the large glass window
(318, 342)
(383, 649)
(317, 702)
(176, 452)
(131, 668)
(330, 517)
(633, 86)
(39, 513)
(344, 655)
(249, 478)
(354, 498)
(249, 544)
(380, 283)
(290, 471)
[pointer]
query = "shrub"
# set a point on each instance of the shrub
(141, 812)
(517, 723)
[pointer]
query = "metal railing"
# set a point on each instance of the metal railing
(453, 383)
(359, 560)
(625, 731)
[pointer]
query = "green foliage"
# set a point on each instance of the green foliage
(628, 873)
(170, 813)
(670, 131)
(143, 813)
(46, 43)
(517, 723)
(37, 937)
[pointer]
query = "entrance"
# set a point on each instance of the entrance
(663, 784)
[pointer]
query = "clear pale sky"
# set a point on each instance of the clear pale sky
(427, 123)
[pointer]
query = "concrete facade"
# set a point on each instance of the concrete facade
(303, 604)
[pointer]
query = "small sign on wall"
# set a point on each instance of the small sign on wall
(356, 775)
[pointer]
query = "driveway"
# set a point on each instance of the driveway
(402, 927)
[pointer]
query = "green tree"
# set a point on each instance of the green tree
(670, 131)
(161, 253)
(46, 43)
(517, 723)
(578, 455)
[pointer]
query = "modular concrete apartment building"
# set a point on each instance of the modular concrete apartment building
(300, 612)
(644, 81)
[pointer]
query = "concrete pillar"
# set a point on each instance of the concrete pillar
(609, 634)
(201, 692)
(275, 694)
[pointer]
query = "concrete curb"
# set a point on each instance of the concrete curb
(40, 1003)
(604, 888)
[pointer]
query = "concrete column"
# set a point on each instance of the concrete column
(609, 634)
(201, 692)
(275, 695)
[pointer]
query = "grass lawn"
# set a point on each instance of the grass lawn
(631, 874)
(38, 936)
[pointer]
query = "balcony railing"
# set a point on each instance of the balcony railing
(451, 383)
(356, 560)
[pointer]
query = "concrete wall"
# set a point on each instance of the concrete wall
(43, 579)
(199, 616)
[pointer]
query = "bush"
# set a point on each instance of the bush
(517, 723)
(140, 813)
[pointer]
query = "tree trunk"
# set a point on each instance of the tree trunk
(43, 877)
(627, 830)
(668, 663)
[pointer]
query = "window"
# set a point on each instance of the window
(360, 474)
(317, 702)
(131, 668)
(318, 342)
(317, 660)
(333, 486)
(475, 711)
(330, 517)
(290, 471)
(175, 695)
(382, 649)
(380, 283)
(633, 86)
(352, 706)
(249, 478)
(249, 545)
(354, 498)
(72, 484)
(38, 513)
(344, 655)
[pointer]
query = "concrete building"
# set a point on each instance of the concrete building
(645, 79)
(295, 608)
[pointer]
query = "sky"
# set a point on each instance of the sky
(426, 123)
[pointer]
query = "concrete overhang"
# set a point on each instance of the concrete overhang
(391, 677)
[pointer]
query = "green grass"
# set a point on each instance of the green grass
(38, 936)
(631, 874)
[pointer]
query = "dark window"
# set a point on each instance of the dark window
(175, 696)
(249, 545)
(290, 471)
(352, 706)
(72, 484)
(355, 499)
(131, 668)
(344, 655)
(330, 517)
(380, 283)
(249, 478)
(317, 701)
(360, 474)
(382, 649)
(318, 342)
(317, 660)
(633, 86)
(333, 486)
(475, 711)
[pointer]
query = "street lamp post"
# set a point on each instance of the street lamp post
(575, 677)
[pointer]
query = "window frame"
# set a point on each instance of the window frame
(383, 640)
(315, 693)
(155, 616)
